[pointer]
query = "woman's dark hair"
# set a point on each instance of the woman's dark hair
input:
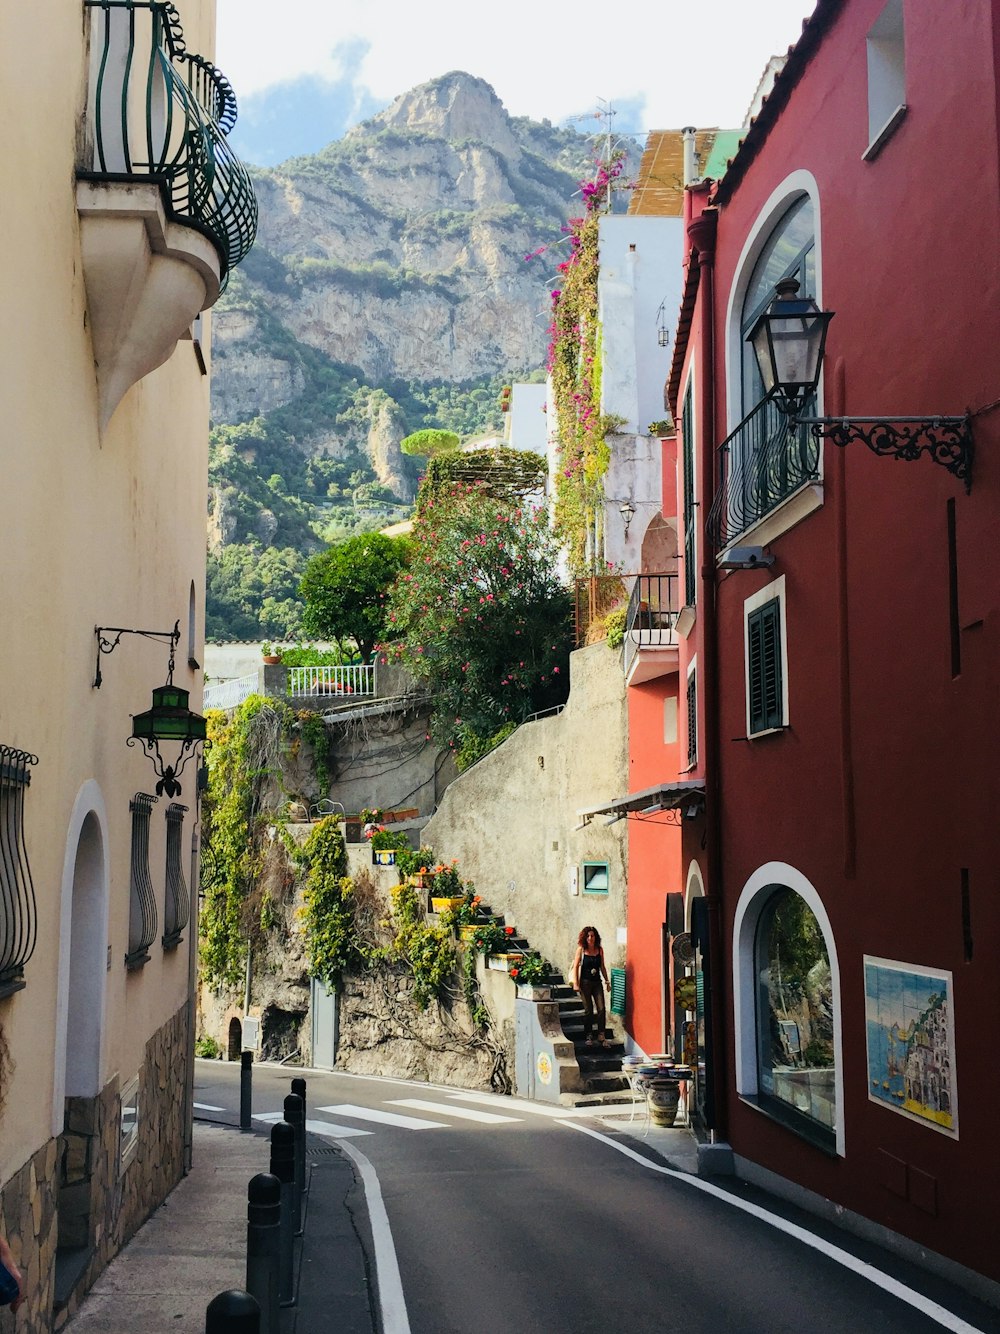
(582, 937)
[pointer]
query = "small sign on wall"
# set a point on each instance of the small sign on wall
(574, 879)
(251, 1033)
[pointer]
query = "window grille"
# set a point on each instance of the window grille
(18, 913)
(142, 904)
(764, 667)
(176, 902)
(692, 719)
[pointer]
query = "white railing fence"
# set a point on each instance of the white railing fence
(229, 694)
(358, 680)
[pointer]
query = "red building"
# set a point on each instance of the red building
(838, 654)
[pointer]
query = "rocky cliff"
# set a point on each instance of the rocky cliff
(388, 291)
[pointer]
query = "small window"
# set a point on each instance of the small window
(142, 904)
(886, 77)
(18, 913)
(692, 719)
(670, 720)
(795, 1049)
(764, 671)
(595, 878)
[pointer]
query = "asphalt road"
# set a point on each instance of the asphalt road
(507, 1216)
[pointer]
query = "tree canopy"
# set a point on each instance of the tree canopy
(344, 589)
(480, 614)
(430, 442)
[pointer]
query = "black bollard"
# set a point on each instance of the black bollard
(246, 1089)
(283, 1167)
(295, 1116)
(264, 1247)
(233, 1312)
(299, 1087)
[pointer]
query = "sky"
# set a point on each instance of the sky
(306, 70)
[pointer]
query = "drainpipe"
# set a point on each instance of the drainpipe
(701, 232)
(690, 156)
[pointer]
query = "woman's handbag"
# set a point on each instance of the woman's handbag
(8, 1286)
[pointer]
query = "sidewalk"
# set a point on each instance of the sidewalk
(194, 1246)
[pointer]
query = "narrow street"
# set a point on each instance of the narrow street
(507, 1215)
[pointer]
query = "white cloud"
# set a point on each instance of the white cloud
(687, 64)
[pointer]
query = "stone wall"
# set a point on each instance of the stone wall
(72, 1192)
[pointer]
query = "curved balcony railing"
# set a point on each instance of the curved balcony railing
(159, 112)
(767, 458)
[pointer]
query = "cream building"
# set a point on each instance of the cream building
(122, 211)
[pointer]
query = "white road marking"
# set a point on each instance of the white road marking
(390, 1286)
(326, 1128)
(889, 1284)
(384, 1118)
(447, 1109)
(207, 1107)
(549, 1109)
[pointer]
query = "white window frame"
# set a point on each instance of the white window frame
(885, 48)
(757, 892)
(774, 590)
(808, 497)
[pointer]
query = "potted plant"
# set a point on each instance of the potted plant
(386, 846)
(448, 890)
(528, 971)
(489, 937)
(415, 867)
(271, 658)
(464, 914)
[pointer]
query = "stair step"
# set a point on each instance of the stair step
(605, 1082)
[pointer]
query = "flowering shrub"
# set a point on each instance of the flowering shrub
(447, 881)
(574, 365)
(409, 862)
(490, 938)
(480, 615)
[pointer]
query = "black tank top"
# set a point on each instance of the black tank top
(590, 967)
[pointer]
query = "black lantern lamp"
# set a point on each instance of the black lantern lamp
(627, 510)
(169, 719)
(789, 340)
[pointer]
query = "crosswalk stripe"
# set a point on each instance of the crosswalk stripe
(384, 1118)
(550, 1109)
(207, 1107)
(329, 1129)
(450, 1109)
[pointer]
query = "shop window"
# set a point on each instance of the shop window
(142, 903)
(596, 879)
(886, 77)
(795, 1017)
(18, 914)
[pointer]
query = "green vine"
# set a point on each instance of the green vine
(328, 913)
(242, 765)
(314, 731)
(429, 951)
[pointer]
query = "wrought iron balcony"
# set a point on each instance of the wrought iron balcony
(761, 463)
(18, 910)
(651, 619)
(158, 113)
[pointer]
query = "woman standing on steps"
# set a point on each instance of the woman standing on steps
(588, 968)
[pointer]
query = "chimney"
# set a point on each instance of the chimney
(690, 156)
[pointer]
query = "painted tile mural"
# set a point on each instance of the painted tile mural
(911, 1041)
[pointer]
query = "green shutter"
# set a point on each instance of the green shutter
(692, 712)
(764, 667)
(618, 991)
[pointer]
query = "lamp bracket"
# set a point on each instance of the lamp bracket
(167, 774)
(948, 440)
(107, 644)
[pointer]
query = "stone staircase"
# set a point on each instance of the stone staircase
(601, 1075)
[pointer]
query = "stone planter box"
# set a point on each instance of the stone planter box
(532, 992)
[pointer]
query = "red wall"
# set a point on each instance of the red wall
(883, 789)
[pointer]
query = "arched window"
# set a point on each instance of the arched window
(795, 1049)
(789, 252)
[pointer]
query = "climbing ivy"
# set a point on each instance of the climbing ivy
(314, 731)
(429, 951)
(328, 912)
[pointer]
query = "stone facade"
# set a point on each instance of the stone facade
(71, 1191)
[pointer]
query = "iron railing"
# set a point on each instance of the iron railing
(767, 458)
(161, 113)
(651, 619)
(176, 903)
(593, 598)
(230, 694)
(142, 902)
(18, 910)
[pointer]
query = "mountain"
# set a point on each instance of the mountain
(388, 290)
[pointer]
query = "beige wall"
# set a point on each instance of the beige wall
(98, 529)
(511, 819)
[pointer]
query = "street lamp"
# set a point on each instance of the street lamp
(789, 341)
(627, 510)
(168, 719)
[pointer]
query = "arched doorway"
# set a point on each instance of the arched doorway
(235, 1048)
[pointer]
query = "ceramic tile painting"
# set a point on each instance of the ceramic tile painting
(910, 1026)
